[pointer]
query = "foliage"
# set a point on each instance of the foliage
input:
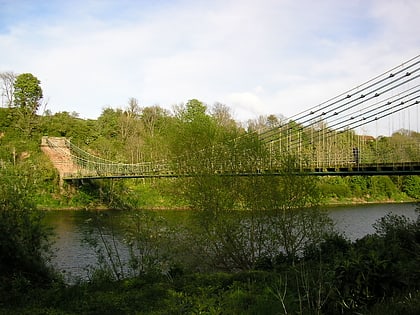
(27, 93)
(284, 220)
(335, 188)
(412, 186)
(63, 124)
(193, 130)
(382, 187)
(142, 244)
(25, 241)
(375, 267)
(335, 276)
(27, 99)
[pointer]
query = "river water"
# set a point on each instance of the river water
(73, 257)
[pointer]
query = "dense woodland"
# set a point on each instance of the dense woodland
(252, 245)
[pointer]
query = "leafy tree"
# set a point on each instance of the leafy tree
(358, 185)
(223, 116)
(27, 93)
(382, 186)
(64, 124)
(109, 143)
(335, 187)
(153, 118)
(193, 110)
(298, 219)
(27, 99)
(193, 130)
(25, 239)
(281, 213)
(154, 125)
(108, 122)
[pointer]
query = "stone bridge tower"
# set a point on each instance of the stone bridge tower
(57, 150)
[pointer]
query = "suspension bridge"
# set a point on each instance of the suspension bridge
(322, 140)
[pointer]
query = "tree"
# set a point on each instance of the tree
(280, 215)
(298, 221)
(263, 122)
(133, 109)
(7, 88)
(193, 111)
(25, 240)
(152, 118)
(27, 93)
(194, 129)
(223, 116)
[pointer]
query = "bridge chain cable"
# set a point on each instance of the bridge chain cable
(345, 117)
(374, 112)
(323, 108)
(347, 106)
(369, 116)
(336, 123)
(360, 88)
(344, 113)
(342, 108)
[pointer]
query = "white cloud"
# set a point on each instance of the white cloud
(247, 102)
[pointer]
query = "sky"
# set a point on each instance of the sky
(258, 57)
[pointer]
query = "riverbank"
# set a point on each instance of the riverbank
(360, 201)
(104, 208)
(328, 203)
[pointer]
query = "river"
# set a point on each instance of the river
(73, 258)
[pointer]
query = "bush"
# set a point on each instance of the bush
(411, 186)
(24, 242)
(377, 266)
(382, 186)
(335, 188)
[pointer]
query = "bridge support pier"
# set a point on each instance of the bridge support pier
(57, 150)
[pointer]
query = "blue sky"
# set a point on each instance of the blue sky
(258, 57)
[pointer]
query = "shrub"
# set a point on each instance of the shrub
(24, 242)
(411, 186)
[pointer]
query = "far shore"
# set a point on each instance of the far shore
(330, 203)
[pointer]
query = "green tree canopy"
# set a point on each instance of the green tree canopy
(27, 93)
(192, 111)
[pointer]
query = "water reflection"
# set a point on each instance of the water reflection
(73, 257)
